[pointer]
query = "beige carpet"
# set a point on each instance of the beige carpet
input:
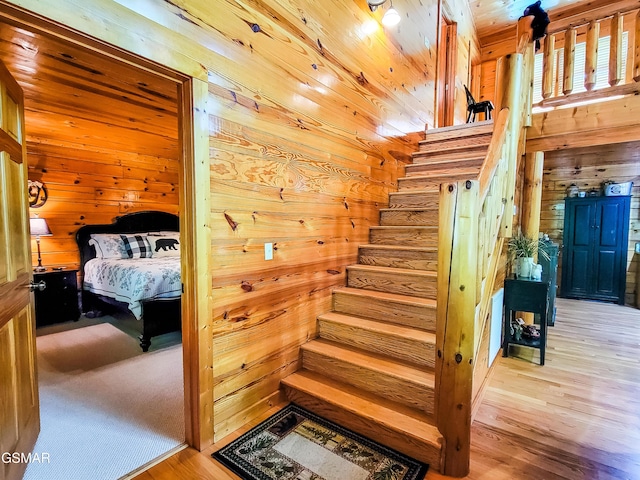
(106, 407)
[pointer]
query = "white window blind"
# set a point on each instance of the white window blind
(602, 72)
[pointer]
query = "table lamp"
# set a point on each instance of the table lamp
(39, 228)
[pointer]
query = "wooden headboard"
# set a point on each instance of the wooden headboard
(138, 222)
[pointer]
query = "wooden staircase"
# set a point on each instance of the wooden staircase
(372, 367)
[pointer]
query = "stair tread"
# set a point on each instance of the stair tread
(426, 169)
(417, 192)
(405, 209)
(444, 161)
(380, 327)
(453, 149)
(394, 270)
(372, 361)
(465, 129)
(409, 227)
(399, 247)
(472, 162)
(438, 174)
(391, 297)
(388, 413)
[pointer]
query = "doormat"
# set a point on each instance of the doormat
(295, 444)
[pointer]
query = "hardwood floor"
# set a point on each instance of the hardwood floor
(577, 417)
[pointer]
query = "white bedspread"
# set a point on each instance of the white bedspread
(133, 280)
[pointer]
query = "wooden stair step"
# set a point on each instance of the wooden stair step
(408, 235)
(407, 430)
(429, 181)
(458, 131)
(415, 198)
(396, 341)
(399, 256)
(446, 152)
(442, 169)
(406, 310)
(416, 283)
(427, 217)
(479, 139)
(390, 378)
(468, 155)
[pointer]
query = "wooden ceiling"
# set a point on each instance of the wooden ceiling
(494, 17)
(81, 96)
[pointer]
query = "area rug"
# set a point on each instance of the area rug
(295, 444)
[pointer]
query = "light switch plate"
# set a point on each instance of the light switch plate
(268, 251)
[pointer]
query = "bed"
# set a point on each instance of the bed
(133, 264)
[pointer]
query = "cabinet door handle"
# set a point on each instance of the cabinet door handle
(41, 285)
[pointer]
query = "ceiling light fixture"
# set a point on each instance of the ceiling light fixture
(374, 4)
(391, 16)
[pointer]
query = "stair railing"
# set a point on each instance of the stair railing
(474, 219)
(559, 64)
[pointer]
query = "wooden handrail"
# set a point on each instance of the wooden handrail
(582, 23)
(494, 152)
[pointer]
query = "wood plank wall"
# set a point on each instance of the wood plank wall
(588, 167)
(101, 135)
(311, 120)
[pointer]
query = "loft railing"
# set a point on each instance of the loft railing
(561, 61)
(475, 218)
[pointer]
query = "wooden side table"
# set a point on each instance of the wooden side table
(525, 295)
(58, 302)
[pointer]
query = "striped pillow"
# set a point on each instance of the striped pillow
(137, 246)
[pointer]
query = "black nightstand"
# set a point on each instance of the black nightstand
(58, 302)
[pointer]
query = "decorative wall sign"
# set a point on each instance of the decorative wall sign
(37, 193)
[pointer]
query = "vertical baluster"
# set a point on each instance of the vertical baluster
(615, 51)
(591, 55)
(636, 62)
(569, 60)
(547, 65)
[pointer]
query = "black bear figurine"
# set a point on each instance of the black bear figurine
(539, 23)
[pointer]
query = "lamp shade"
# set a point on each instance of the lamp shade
(391, 18)
(39, 227)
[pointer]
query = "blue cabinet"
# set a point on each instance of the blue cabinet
(594, 255)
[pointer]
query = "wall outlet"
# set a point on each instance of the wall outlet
(637, 247)
(268, 251)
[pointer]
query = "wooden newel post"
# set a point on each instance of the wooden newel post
(615, 50)
(569, 60)
(591, 55)
(532, 202)
(457, 261)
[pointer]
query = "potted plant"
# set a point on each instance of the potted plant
(521, 250)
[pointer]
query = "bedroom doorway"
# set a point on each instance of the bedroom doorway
(21, 32)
